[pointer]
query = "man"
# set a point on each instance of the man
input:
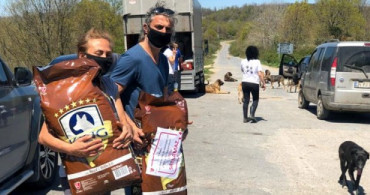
(144, 67)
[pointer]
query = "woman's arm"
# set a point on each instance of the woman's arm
(85, 146)
(260, 74)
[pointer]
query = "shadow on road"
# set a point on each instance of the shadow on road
(28, 189)
(187, 94)
(344, 117)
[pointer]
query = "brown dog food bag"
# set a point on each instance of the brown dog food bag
(73, 107)
(169, 112)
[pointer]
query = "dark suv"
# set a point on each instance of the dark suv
(22, 159)
(337, 78)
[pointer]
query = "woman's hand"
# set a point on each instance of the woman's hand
(85, 146)
(124, 138)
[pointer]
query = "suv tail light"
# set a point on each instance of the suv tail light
(333, 71)
(187, 65)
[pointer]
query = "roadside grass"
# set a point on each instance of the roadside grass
(209, 60)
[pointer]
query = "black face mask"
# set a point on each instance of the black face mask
(104, 63)
(158, 39)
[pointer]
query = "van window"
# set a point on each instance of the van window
(3, 78)
(328, 58)
(354, 56)
(315, 61)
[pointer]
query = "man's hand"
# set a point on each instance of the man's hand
(138, 133)
(125, 138)
(86, 146)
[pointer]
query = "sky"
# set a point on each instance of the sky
(220, 4)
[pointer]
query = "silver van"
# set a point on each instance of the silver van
(337, 78)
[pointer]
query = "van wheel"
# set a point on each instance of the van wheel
(302, 102)
(321, 112)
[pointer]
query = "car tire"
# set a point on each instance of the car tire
(302, 102)
(321, 112)
(48, 166)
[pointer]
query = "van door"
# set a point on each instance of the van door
(288, 66)
(353, 76)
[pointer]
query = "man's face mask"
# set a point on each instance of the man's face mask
(104, 63)
(158, 39)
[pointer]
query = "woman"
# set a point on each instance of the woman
(94, 45)
(252, 75)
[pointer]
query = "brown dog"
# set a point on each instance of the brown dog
(216, 87)
(274, 78)
(240, 94)
(294, 82)
(228, 77)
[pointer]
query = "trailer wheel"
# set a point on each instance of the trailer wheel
(201, 86)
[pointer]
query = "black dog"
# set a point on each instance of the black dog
(352, 157)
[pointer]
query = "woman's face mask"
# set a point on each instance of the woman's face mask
(104, 63)
(158, 39)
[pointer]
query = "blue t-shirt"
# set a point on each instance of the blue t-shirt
(109, 87)
(136, 71)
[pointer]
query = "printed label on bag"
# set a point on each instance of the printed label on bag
(165, 156)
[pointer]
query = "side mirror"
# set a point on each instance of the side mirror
(23, 76)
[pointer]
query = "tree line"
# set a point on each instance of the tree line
(36, 31)
(302, 24)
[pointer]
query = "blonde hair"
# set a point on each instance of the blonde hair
(92, 34)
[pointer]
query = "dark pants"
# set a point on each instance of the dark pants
(248, 89)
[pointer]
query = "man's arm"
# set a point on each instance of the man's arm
(137, 132)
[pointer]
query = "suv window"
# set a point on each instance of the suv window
(354, 56)
(3, 78)
(328, 58)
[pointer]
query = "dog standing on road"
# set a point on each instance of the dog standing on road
(293, 82)
(216, 87)
(274, 78)
(352, 157)
(228, 77)
(240, 94)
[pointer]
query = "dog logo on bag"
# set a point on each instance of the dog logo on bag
(81, 119)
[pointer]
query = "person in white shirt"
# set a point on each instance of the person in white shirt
(252, 75)
(171, 53)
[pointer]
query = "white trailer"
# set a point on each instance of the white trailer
(188, 28)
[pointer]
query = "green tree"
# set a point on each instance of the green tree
(100, 14)
(299, 25)
(37, 31)
(341, 19)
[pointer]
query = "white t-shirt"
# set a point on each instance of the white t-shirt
(168, 53)
(250, 70)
